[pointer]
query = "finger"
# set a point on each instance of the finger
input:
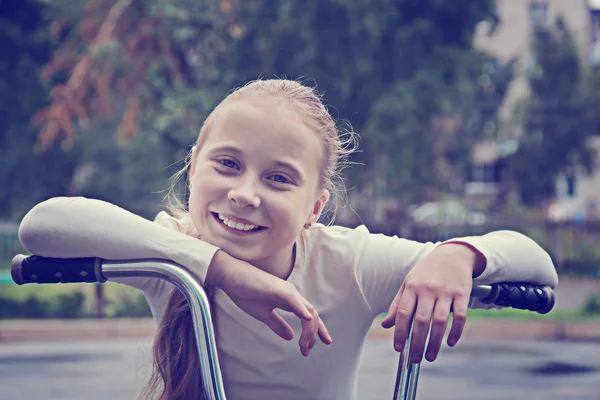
(306, 336)
(390, 318)
(459, 318)
(278, 325)
(294, 302)
(404, 314)
(324, 333)
(438, 327)
(315, 335)
(421, 323)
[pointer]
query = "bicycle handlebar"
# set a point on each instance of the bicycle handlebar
(36, 269)
(524, 296)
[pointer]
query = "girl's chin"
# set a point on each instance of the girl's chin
(238, 253)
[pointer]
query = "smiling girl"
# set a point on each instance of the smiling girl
(260, 174)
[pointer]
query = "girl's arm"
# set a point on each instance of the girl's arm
(505, 256)
(78, 227)
(70, 227)
(428, 280)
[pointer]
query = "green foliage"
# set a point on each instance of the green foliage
(70, 301)
(556, 124)
(592, 305)
(65, 305)
(404, 73)
(130, 305)
(26, 177)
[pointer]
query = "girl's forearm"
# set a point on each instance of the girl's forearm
(512, 257)
(65, 227)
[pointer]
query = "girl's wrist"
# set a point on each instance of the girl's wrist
(466, 254)
(217, 269)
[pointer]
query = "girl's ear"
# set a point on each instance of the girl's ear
(319, 206)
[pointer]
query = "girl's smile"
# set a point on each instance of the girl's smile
(237, 226)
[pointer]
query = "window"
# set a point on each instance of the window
(538, 12)
(486, 173)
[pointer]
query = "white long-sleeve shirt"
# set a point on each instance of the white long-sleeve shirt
(349, 275)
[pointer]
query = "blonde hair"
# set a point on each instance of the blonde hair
(176, 365)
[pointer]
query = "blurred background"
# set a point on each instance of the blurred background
(473, 116)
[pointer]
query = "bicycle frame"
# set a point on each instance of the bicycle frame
(199, 305)
(406, 377)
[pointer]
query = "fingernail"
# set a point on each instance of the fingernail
(397, 347)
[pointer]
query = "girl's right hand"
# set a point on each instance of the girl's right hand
(259, 293)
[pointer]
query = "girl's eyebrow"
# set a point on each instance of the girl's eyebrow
(228, 148)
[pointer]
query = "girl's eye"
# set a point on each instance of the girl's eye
(279, 179)
(229, 163)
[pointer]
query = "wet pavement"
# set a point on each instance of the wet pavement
(474, 370)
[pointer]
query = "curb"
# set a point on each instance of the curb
(73, 329)
(144, 328)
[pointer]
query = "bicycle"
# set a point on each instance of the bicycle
(36, 269)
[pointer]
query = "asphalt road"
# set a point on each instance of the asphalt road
(474, 370)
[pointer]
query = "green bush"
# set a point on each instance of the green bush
(67, 305)
(592, 304)
(71, 301)
(129, 306)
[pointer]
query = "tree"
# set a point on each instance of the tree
(404, 73)
(26, 177)
(556, 129)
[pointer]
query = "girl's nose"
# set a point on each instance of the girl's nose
(244, 196)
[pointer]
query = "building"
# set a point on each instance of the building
(512, 38)
(578, 197)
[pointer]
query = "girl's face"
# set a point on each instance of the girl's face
(255, 182)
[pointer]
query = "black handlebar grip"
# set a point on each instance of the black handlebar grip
(524, 296)
(35, 269)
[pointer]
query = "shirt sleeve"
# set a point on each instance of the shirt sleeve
(385, 261)
(71, 227)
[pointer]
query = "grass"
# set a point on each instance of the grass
(512, 313)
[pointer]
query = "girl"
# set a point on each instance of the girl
(260, 173)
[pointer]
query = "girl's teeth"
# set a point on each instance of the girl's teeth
(236, 225)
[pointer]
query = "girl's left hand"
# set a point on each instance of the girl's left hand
(440, 283)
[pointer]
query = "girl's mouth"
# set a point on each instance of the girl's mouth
(236, 227)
